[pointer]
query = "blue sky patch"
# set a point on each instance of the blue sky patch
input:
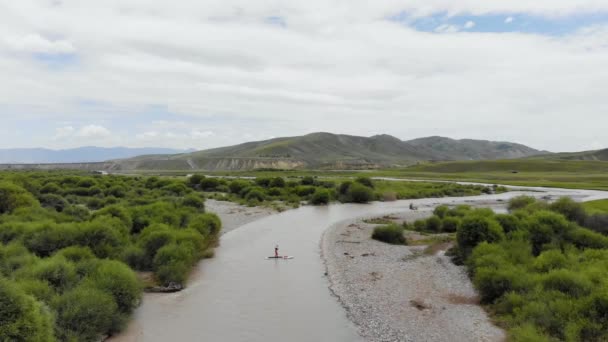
(500, 23)
(56, 61)
(276, 20)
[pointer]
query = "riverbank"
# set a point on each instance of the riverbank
(233, 216)
(402, 293)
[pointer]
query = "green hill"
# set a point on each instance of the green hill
(597, 155)
(330, 151)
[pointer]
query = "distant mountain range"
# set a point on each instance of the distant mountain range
(311, 151)
(331, 151)
(597, 155)
(77, 155)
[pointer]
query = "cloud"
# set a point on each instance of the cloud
(63, 132)
(198, 134)
(35, 43)
(219, 66)
(469, 24)
(509, 20)
(446, 28)
(93, 131)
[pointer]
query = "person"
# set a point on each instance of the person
(276, 251)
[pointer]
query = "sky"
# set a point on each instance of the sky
(208, 73)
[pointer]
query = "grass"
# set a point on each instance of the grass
(522, 172)
(596, 207)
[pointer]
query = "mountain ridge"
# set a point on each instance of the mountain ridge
(329, 150)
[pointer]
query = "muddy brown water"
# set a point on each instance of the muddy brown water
(240, 296)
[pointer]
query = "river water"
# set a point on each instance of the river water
(240, 296)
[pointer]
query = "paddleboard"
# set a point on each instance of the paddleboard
(280, 257)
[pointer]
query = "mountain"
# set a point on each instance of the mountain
(598, 155)
(77, 155)
(330, 151)
(468, 149)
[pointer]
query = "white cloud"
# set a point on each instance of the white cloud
(446, 28)
(469, 24)
(509, 20)
(35, 43)
(147, 135)
(93, 131)
(217, 63)
(63, 132)
(198, 134)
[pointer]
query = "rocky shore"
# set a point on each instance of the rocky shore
(402, 293)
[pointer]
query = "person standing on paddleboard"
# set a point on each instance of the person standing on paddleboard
(276, 251)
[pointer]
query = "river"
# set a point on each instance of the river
(240, 296)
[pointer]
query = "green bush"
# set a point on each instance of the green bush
(85, 314)
(53, 201)
(359, 193)
(13, 197)
(475, 229)
(433, 224)
(321, 196)
(277, 182)
(118, 280)
(365, 181)
(22, 318)
(450, 224)
(392, 234)
(194, 201)
(209, 184)
(255, 195)
(573, 211)
(206, 224)
(567, 282)
(441, 211)
(520, 202)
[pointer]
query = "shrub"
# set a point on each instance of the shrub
(195, 180)
(194, 201)
(117, 279)
(118, 212)
(22, 318)
(57, 271)
(441, 211)
(392, 234)
(84, 314)
(50, 188)
(365, 181)
(492, 283)
(597, 222)
(321, 196)
(78, 213)
(509, 223)
(573, 211)
(450, 224)
(550, 260)
(277, 182)
(255, 195)
(237, 185)
(206, 224)
(305, 190)
(475, 229)
(209, 184)
(568, 282)
(173, 273)
(76, 253)
(520, 202)
(433, 224)
(53, 201)
(360, 193)
(344, 187)
(307, 180)
(13, 197)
